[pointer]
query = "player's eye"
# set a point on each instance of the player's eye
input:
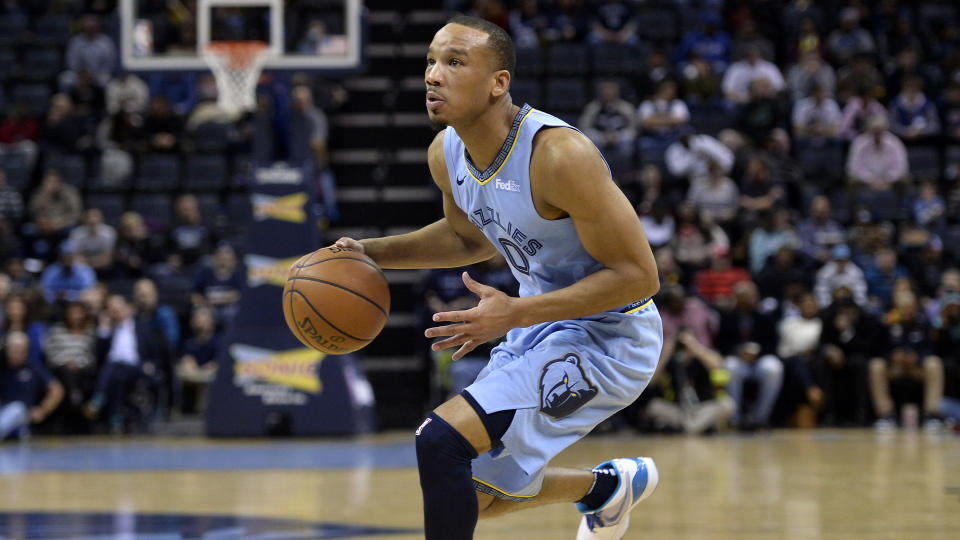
(431, 61)
(455, 62)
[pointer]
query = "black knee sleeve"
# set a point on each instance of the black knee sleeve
(449, 501)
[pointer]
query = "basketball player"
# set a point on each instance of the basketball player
(583, 337)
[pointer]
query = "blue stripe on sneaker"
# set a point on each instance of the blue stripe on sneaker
(639, 479)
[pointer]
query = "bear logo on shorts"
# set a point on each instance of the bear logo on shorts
(564, 387)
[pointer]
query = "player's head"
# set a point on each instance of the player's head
(470, 63)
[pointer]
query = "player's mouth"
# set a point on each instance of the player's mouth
(434, 101)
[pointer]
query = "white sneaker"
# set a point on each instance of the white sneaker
(637, 480)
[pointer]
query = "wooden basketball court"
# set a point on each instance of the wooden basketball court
(784, 484)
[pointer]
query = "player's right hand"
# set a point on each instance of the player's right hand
(349, 243)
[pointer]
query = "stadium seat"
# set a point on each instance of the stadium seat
(52, 29)
(8, 64)
(12, 28)
(924, 162)
(174, 291)
(211, 137)
(17, 169)
(36, 96)
(566, 95)
(883, 205)
(526, 91)
(206, 172)
(609, 59)
(158, 172)
(156, 210)
(210, 207)
(239, 208)
(529, 62)
(567, 59)
(822, 163)
(112, 205)
(40, 64)
(72, 167)
(657, 23)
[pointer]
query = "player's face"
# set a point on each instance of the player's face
(459, 74)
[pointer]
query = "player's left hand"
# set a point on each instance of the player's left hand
(490, 319)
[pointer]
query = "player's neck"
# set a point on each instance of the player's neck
(484, 136)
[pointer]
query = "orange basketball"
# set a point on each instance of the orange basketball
(336, 300)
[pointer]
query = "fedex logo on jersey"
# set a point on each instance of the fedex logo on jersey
(509, 185)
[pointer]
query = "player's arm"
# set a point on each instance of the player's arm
(447, 243)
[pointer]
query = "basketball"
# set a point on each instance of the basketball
(336, 300)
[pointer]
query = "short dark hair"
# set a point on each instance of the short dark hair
(498, 40)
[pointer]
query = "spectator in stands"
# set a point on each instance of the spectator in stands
(159, 317)
(717, 283)
(309, 132)
(197, 365)
(840, 272)
(651, 189)
(758, 191)
(819, 232)
(189, 239)
(66, 279)
(691, 156)
(701, 84)
(929, 208)
(807, 41)
(799, 337)
(850, 39)
(774, 232)
(658, 224)
(162, 127)
(132, 357)
(55, 202)
(123, 131)
(91, 51)
(696, 239)
(28, 393)
(94, 241)
(127, 92)
(662, 116)
(710, 42)
(11, 201)
(218, 284)
(568, 21)
(612, 21)
(949, 108)
(23, 313)
(19, 133)
(881, 276)
(783, 270)
(912, 372)
(680, 311)
(609, 122)
(88, 98)
(877, 159)
(748, 338)
(206, 109)
(912, 115)
(816, 119)
(64, 131)
(946, 327)
(763, 114)
(809, 73)
(9, 241)
(528, 24)
(860, 78)
(737, 81)
(133, 250)
(716, 195)
(849, 339)
(319, 40)
(748, 37)
(70, 350)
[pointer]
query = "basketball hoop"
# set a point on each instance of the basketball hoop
(236, 66)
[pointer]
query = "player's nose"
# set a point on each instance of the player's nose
(433, 76)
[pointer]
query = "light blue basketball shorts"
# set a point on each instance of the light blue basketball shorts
(563, 378)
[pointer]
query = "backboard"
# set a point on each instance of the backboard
(157, 35)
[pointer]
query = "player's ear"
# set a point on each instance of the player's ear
(501, 83)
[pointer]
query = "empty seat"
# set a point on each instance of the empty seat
(156, 210)
(611, 59)
(8, 64)
(566, 95)
(525, 91)
(951, 242)
(821, 163)
(210, 208)
(924, 162)
(36, 96)
(17, 168)
(40, 64)
(158, 172)
(883, 205)
(210, 137)
(657, 24)
(567, 59)
(12, 28)
(206, 172)
(529, 62)
(52, 29)
(112, 205)
(239, 209)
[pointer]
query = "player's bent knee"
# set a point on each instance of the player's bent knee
(440, 447)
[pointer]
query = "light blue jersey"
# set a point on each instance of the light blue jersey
(562, 377)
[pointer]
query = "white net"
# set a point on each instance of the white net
(236, 66)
